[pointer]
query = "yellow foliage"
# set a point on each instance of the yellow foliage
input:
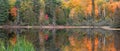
(12, 2)
(75, 3)
(71, 3)
(72, 13)
(85, 6)
(78, 5)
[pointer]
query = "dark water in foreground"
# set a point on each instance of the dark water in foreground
(59, 40)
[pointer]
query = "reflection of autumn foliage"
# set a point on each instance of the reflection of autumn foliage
(72, 41)
(110, 46)
(88, 44)
(12, 38)
(46, 36)
(96, 43)
(85, 44)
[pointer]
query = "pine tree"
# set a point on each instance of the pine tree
(4, 7)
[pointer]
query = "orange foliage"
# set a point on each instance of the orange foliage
(113, 5)
(13, 40)
(96, 11)
(88, 44)
(13, 11)
(96, 43)
(86, 6)
(88, 10)
(111, 47)
(85, 44)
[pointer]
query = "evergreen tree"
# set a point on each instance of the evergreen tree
(4, 7)
(27, 13)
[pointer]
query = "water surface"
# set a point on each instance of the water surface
(59, 40)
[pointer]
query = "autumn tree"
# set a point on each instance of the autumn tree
(12, 14)
(73, 11)
(81, 10)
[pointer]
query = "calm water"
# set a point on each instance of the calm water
(59, 40)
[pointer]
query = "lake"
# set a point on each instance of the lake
(59, 40)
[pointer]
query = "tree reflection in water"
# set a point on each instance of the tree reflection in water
(70, 40)
(85, 43)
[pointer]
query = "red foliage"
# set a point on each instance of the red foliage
(46, 17)
(46, 37)
(13, 11)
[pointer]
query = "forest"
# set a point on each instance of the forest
(59, 12)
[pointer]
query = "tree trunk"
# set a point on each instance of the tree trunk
(93, 15)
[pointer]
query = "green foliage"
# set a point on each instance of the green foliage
(61, 18)
(36, 7)
(27, 14)
(22, 45)
(50, 8)
(53, 9)
(4, 7)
